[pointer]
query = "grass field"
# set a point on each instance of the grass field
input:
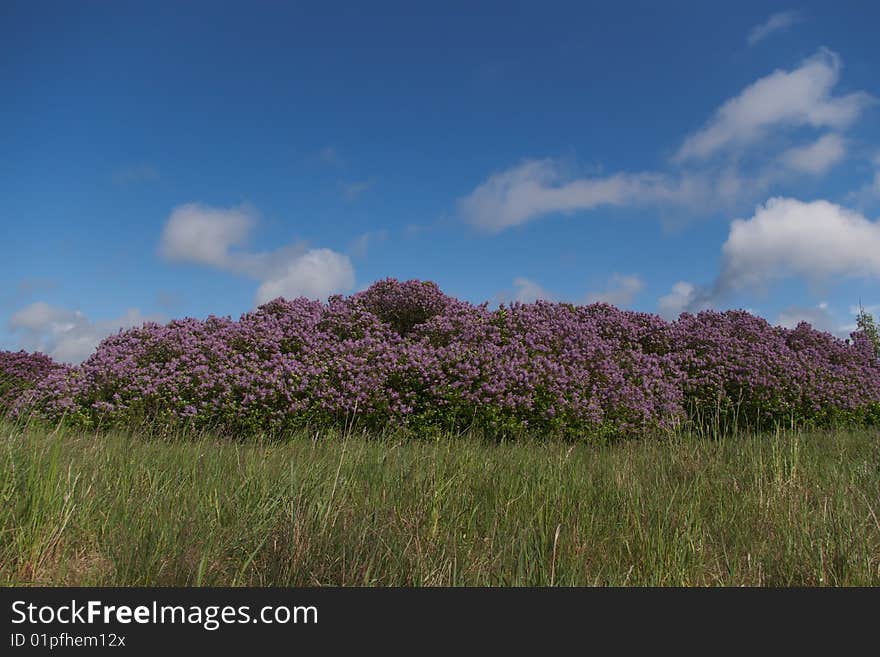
(116, 509)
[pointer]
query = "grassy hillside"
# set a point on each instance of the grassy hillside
(115, 509)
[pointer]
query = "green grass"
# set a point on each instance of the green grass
(117, 509)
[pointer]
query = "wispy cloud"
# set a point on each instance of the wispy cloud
(538, 187)
(528, 291)
(620, 291)
(168, 300)
(707, 171)
(29, 286)
(819, 317)
(816, 158)
(330, 156)
(361, 245)
(873, 309)
(869, 193)
(776, 23)
(353, 190)
(783, 99)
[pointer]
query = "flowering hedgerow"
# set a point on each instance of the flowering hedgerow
(405, 354)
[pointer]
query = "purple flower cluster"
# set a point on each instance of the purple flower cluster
(738, 362)
(404, 353)
(20, 371)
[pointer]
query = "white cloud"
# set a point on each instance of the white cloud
(316, 274)
(776, 23)
(207, 236)
(681, 297)
(41, 314)
(66, 335)
(528, 291)
(537, 187)
(783, 99)
(204, 235)
(620, 292)
(812, 241)
(787, 237)
(818, 157)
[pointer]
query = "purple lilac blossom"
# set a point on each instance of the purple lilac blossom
(405, 354)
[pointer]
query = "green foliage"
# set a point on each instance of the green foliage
(866, 324)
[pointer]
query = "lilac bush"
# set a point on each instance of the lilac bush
(405, 354)
(21, 371)
(736, 363)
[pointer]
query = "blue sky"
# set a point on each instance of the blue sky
(161, 160)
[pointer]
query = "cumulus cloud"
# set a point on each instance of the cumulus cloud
(66, 335)
(205, 235)
(783, 99)
(620, 292)
(316, 274)
(787, 237)
(214, 236)
(776, 23)
(818, 157)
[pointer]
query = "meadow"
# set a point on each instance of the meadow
(118, 508)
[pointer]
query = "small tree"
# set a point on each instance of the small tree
(865, 322)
